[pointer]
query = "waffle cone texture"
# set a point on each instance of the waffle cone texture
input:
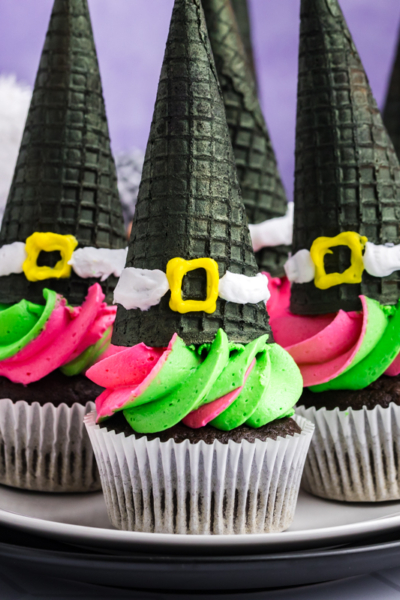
(64, 180)
(189, 203)
(262, 190)
(347, 174)
(391, 112)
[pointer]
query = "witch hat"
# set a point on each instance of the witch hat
(241, 9)
(262, 190)
(189, 204)
(391, 112)
(64, 180)
(347, 176)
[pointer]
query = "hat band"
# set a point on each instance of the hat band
(88, 262)
(379, 260)
(143, 288)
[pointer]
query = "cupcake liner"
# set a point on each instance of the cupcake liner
(46, 448)
(166, 487)
(354, 454)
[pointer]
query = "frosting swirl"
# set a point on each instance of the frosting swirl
(344, 350)
(226, 385)
(35, 339)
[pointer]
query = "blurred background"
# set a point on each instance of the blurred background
(130, 37)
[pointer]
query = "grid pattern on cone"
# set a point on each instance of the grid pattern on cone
(391, 113)
(65, 179)
(242, 13)
(262, 190)
(189, 202)
(347, 173)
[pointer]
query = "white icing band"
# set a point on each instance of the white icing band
(273, 232)
(86, 262)
(242, 289)
(12, 257)
(300, 267)
(381, 261)
(98, 262)
(140, 288)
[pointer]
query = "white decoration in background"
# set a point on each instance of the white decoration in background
(12, 257)
(98, 262)
(15, 98)
(129, 167)
(382, 260)
(140, 288)
(300, 267)
(244, 290)
(273, 232)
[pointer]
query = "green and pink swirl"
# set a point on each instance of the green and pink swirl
(37, 339)
(340, 351)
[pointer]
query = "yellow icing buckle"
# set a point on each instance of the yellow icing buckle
(177, 269)
(49, 242)
(353, 274)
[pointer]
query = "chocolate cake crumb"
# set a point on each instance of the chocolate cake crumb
(179, 433)
(56, 388)
(381, 392)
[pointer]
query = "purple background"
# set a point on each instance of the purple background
(131, 35)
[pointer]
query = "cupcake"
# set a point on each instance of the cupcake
(341, 320)
(195, 431)
(264, 198)
(62, 247)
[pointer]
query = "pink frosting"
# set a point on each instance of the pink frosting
(67, 333)
(127, 373)
(323, 346)
(208, 412)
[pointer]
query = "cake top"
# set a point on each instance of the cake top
(64, 181)
(189, 207)
(262, 190)
(347, 176)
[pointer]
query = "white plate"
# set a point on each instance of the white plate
(82, 519)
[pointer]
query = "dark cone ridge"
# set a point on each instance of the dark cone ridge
(189, 202)
(391, 112)
(64, 180)
(262, 190)
(347, 173)
(242, 13)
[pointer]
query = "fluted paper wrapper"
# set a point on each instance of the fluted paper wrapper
(354, 454)
(169, 487)
(46, 448)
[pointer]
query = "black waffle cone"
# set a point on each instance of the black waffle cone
(189, 202)
(347, 173)
(262, 190)
(391, 112)
(242, 13)
(64, 180)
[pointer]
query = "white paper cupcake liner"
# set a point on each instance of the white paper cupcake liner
(169, 487)
(354, 454)
(46, 448)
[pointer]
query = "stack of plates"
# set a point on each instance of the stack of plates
(70, 536)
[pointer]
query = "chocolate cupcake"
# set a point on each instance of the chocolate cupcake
(341, 320)
(193, 433)
(62, 247)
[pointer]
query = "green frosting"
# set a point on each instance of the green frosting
(271, 390)
(168, 411)
(284, 389)
(233, 375)
(22, 322)
(180, 364)
(88, 357)
(374, 364)
(246, 403)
